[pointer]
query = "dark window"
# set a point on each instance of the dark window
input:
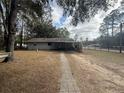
(35, 44)
(49, 44)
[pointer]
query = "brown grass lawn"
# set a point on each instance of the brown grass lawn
(31, 72)
(39, 72)
(104, 56)
(98, 71)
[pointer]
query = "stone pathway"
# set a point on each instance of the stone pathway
(68, 83)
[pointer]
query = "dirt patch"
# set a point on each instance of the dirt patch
(93, 77)
(31, 72)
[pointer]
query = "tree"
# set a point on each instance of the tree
(114, 17)
(1, 37)
(45, 30)
(9, 22)
(21, 35)
(9, 10)
(104, 30)
(63, 33)
(83, 9)
(112, 20)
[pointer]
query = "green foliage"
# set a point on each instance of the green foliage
(110, 30)
(83, 9)
(114, 42)
(48, 31)
(63, 33)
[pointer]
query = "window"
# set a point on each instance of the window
(35, 44)
(49, 44)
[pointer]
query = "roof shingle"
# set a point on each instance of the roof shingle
(43, 40)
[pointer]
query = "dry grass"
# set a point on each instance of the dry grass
(86, 79)
(110, 57)
(109, 60)
(98, 72)
(31, 72)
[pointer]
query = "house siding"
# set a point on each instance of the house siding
(40, 46)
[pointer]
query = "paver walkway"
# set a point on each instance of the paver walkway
(68, 83)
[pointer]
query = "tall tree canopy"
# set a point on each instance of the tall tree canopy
(45, 30)
(84, 9)
(111, 30)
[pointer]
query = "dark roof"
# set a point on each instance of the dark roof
(40, 40)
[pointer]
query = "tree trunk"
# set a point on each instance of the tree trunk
(10, 47)
(10, 38)
(120, 38)
(108, 42)
(112, 27)
(21, 36)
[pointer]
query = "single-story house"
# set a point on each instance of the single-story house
(50, 43)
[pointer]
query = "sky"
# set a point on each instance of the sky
(84, 30)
